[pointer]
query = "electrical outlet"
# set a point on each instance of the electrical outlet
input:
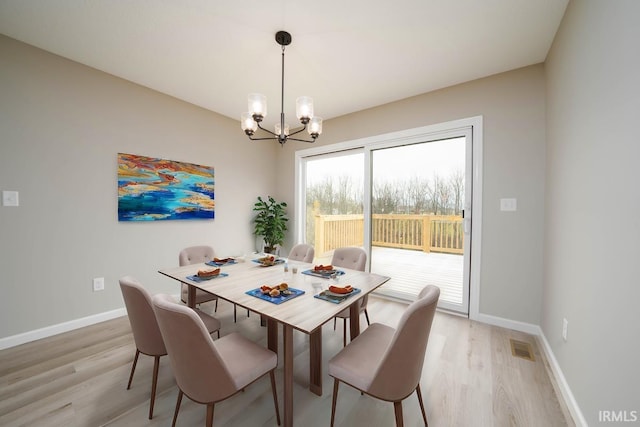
(98, 284)
(565, 327)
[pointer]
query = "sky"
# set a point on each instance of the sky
(395, 164)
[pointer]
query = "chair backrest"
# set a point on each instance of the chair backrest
(399, 372)
(142, 318)
(302, 252)
(350, 257)
(195, 255)
(198, 367)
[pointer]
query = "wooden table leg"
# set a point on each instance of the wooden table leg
(315, 361)
(288, 375)
(191, 296)
(272, 335)
(354, 319)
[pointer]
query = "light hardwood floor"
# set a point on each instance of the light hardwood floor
(470, 378)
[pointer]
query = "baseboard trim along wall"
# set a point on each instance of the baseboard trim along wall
(567, 395)
(532, 329)
(516, 325)
(48, 331)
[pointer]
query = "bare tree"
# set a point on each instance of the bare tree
(456, 182)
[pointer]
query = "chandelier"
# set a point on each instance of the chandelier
(250, 121)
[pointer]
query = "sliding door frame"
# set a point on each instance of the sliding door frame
(409, 136)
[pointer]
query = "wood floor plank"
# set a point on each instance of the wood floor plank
(469, 378)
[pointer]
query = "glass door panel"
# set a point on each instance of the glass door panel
(418, 195)
(334, 202)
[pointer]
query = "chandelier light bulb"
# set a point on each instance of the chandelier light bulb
(315, 126)
(304, 108)
(278, 130)
(248, 125)
(258, 105)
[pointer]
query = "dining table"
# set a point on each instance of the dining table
(239, 282)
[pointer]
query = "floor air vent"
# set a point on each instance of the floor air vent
(521, 349)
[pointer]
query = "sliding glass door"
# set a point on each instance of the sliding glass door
(406, 198)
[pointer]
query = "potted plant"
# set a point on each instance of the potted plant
(270, 222)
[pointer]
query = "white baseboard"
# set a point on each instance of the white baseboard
(567, 395)
(532, 329)
(516, 325)
(48, 331)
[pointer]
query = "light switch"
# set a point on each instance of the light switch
(508, 205)
(10, 198)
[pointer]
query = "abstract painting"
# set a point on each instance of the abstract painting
(152, 189)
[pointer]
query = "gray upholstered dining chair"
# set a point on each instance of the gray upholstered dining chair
(302, 252)
(386, 363)
(356, 259)
(196, 255)
(210, 371)
(144, 326)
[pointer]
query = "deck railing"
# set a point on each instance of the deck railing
(428, 233)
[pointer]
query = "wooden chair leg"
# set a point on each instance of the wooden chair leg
(175, 413)
(216, 308)
(397, 407)
(366, 314)
(133, 368)
(334, 323)
(209, 422)
(424, 414)
(333, 400)
(275, 394)
(344, 332)
(235, 310)
(154, 385)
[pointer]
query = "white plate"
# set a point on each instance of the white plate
(333, 294)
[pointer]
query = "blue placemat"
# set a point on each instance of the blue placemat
(276, 262)
(276, 300)
(198, 279)
(336, 299)
(220, 264)
(323, 275)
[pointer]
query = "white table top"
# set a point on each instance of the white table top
(304, 313)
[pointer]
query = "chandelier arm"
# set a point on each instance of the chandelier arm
(271, 138)
(298, 130)
(267, 130)
(301, 140)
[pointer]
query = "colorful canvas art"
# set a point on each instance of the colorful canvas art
(155, 189)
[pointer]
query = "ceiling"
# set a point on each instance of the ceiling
(348, 55)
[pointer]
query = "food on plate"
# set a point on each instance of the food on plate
(208, 273)
(339, 290)
(265, 289)
(274, 293)
(222, 260)
(283, 286)
(267, 260)
(323, 267)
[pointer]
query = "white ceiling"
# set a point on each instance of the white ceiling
(348, 55)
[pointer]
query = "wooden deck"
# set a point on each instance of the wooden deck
(412, 270)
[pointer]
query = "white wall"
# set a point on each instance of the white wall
(62, 125)
(512, 106)
(592, 204)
